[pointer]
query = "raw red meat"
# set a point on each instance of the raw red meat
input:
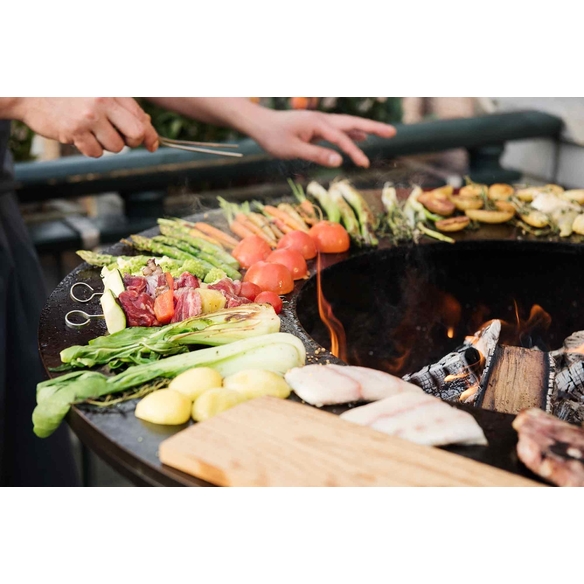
(136, 283)
(186, 280)
(138, 307)
(231, 290)
(187, 303)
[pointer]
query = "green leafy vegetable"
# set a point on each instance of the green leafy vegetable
(276, 352)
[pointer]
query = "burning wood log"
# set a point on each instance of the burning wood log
(518, 379)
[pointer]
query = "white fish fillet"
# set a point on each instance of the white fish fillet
(420, 418)
(321, 385)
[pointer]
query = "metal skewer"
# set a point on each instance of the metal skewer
(80, 313)
(191, 146)
(73, 297)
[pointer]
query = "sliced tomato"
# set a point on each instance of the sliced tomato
(270, 298)
(270, 277)
(249, 290)
(299, 241)
(164, 307)
(330, 237)
(251, 249)
(292, 259)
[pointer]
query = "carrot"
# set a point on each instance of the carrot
(240, 230)
(285, 218)
(244, 220)
(282, 226)
(293, 213)
(196, 233)
(169, 280)
(164, 307)
(263, 223)
(216, 233)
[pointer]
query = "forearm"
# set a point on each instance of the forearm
(10, 108)
(238, 113)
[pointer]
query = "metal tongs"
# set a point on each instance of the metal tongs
(191, 146)
(81, 313)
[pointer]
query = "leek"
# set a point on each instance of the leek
(139, 345)
(277, 352)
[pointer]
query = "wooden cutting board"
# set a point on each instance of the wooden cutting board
(273, 442)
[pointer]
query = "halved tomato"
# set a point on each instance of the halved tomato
(330, 237)
(251, 249)
(270, 277)
(292, 259)
(250, 290)
(301, 242)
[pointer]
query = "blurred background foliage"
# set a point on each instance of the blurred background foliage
(173, 125)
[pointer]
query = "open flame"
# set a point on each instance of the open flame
(332, 323)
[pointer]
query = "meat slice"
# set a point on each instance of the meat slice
(321, 385)
(136, 283)
(187, 303)
(418, 417)
(551, 448)
(231, 290)
(186, 280)
(156, 284)
(138, 308)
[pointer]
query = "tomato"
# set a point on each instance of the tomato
(270, 277)
(251, 249)
(270, 298)
(301, 242)
(292, 259)
(249, 290)
(330, 237)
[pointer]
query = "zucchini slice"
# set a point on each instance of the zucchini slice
(115, 319)
(112, 280)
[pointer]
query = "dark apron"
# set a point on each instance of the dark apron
(25, 460)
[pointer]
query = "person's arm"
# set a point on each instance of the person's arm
(284, 134)
(93, 124)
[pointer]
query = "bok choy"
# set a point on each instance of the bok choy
(139, 345)
(275, 352)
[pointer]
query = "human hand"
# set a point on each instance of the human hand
(92, 124)
(292, 134)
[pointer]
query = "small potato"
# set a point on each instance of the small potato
(214, 401)
(527, 195)
(578, 225)
(489, 216)
(165, 406)
(575, 195)
(553, 189)
(442, 192)
(500, 192)
(473, 190)
(211, 300)
(535, 219)
(254, 383)
(505, 206)
(464, 203)
(452, 224)
(436, 205)
(196, 381)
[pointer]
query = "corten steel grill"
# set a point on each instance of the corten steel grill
(392, 301)
(398, 305)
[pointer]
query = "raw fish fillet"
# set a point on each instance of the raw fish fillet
(321, 385)
(420, 418)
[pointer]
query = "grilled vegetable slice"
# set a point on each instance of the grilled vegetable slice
(500, 192)
(484, 216)
(115, 319)
(575, 195)
(462, 203)
(438, 205)
(535, 219)
(452, 224)
(112, 280)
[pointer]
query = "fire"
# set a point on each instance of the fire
(332, 323)
(450, 332)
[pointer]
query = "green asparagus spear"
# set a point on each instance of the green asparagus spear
(144, 244)
(176, 229)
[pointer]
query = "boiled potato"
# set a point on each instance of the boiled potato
(211, 300)
(196, 381)
(578, 225)
(253, 383)
(214, 401)
(165, 406)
